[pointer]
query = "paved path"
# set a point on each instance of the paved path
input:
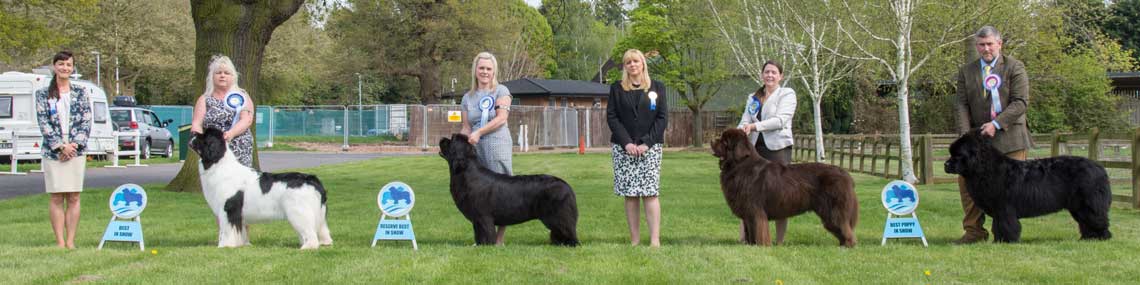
(12, 186)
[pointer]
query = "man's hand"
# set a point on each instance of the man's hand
(988, 129)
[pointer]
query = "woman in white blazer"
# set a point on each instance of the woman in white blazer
(768, 113)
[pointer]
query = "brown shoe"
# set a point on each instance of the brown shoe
(968, 239)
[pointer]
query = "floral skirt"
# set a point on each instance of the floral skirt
(637, 176)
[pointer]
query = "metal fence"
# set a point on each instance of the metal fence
(419, 127)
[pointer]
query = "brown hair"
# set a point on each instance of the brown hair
(53, 91)
(760, 91)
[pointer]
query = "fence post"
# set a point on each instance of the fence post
(344, 129)
(928, 159)
(1055, 148)
(1094, 145)
(1136, 169)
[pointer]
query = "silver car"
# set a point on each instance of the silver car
(155, 137)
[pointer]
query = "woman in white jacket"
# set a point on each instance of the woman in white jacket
(767, 119)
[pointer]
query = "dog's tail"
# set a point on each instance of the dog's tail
(316, 182)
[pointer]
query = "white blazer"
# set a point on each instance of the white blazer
(775, 122)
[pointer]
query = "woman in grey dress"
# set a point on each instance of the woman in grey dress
(485, 110)
(214, 109)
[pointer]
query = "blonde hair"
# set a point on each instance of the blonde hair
(219, 62)
(475, 70)
(643, 78)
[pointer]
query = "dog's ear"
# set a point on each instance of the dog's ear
(443, 144)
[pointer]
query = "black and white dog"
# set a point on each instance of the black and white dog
(239, 195)
(490, 199)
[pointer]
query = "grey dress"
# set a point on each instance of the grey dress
(220, 116)
(494, 148)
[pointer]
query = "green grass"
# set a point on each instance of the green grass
(336, 139)
(699, 236)
(25, 166)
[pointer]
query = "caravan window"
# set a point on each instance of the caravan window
(100, 109)
(5, 107)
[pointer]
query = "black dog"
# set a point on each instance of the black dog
(1008, 189)
(490, 199)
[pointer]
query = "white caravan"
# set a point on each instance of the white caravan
(18, 116)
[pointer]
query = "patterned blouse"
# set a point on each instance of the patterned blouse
(221, 116)
(49, 121)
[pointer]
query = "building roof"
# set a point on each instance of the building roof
(554, 87)
(1125, 79)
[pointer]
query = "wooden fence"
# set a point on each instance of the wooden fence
(880, 154)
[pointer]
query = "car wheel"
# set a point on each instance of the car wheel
(169, 149)
(145, 149)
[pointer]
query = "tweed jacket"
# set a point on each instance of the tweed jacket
(78, 131)
(775, 123)
(974, 103)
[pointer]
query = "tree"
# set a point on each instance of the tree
(240, 30)
(28, 27)
(681, 51)
(901, 41)
(1124, 26)
(408, 38)
(529, 49)
(802, 33)
(581, 42)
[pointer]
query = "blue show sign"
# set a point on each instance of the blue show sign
(127, 203)
(394, 230)
(395, 200)
(901, 201)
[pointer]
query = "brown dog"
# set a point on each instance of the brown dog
(758, 190)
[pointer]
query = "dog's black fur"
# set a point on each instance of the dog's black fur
(1007, 189)
(211, 147)
(490, 199)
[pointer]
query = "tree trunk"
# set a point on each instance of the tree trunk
(819, 153)
(240, 31)
(906, 156)
(698, 125)
(429, 82)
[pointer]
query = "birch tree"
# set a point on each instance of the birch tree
(799, 33)
(911, 31)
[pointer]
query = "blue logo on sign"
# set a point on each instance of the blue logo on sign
(900, 198)
(396, 199)
(128, 201)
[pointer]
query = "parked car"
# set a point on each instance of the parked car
(152, 130)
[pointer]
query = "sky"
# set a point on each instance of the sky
(534, 3)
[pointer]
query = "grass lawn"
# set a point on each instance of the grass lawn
(699, 236)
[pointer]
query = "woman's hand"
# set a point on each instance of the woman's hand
(747, 128)
(642, 149)
(632, 149)
(66, 152)
(227, 136)
(473, 139)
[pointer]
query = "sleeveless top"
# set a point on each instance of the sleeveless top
(219, 115)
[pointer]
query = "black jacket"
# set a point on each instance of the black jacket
(631, 120)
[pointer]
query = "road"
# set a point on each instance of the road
(33, 183)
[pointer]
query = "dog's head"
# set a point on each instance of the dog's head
(733, 146)
(456, 150)
(210, 146)
(969, 152)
